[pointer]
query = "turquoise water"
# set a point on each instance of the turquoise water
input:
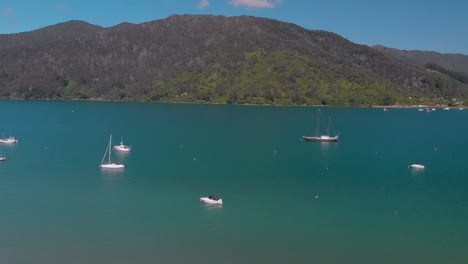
(57, 206)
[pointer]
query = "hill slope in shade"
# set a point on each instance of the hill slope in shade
(214, 59)
(449, 61)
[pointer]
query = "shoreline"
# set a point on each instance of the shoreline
(264, 105)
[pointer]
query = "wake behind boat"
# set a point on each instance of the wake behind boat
(211, 200)
(9, 140)
(122, 147)
(319, 137)
(110, 164)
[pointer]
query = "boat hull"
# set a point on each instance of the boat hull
(8, 141)
(417, 167)
(123, 149)
(207, 200)
(320, 139)
(112, 166)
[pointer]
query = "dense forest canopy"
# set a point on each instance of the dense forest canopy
(214, 59)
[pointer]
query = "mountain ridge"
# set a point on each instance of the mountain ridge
(212, 59)
(455, 62)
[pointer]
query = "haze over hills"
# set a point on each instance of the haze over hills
(449, 61)
(215, 59)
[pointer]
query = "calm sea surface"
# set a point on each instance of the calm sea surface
(57, 206)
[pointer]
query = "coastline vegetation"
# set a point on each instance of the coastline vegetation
(260, 78)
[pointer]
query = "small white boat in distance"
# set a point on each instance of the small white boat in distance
(9, 140)
(122, 147)
(446, 108)
(322, 138)
(2, 158)
(211, 200)
(417, 166)
(420, 110)
(110, 164)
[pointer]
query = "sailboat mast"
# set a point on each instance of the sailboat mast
(110, 145)
(105, 154)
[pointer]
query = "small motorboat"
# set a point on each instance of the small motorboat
(420, 110)
(122, 147)
(446, 108)
(2, 158)
(211, 200)
(417, 166)
(9, 140)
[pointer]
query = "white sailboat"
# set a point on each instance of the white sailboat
(319, 137)
(110, 164)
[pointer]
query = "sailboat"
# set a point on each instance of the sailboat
(319, 137)
(110, 164)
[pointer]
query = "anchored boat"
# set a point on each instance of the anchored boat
(110, 164)
(417, 166)
(9, 140)
(319, 137)
(122, 147)
(211, 200)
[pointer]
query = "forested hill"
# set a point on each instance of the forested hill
(450, 61)
(214, 59)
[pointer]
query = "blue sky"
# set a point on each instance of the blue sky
(412, 24)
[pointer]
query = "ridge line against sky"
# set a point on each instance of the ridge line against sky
(404, 24)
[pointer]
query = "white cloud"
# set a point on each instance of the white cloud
(203, 4)
(8, 11)
(255, 3)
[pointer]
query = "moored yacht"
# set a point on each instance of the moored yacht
(122, 147)
(110, 164)
(9, 140)
(319, 137)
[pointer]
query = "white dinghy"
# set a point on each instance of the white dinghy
(417, 166)
(211, 200)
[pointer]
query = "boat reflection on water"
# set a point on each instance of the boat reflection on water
(112, 178)
(210, 216)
